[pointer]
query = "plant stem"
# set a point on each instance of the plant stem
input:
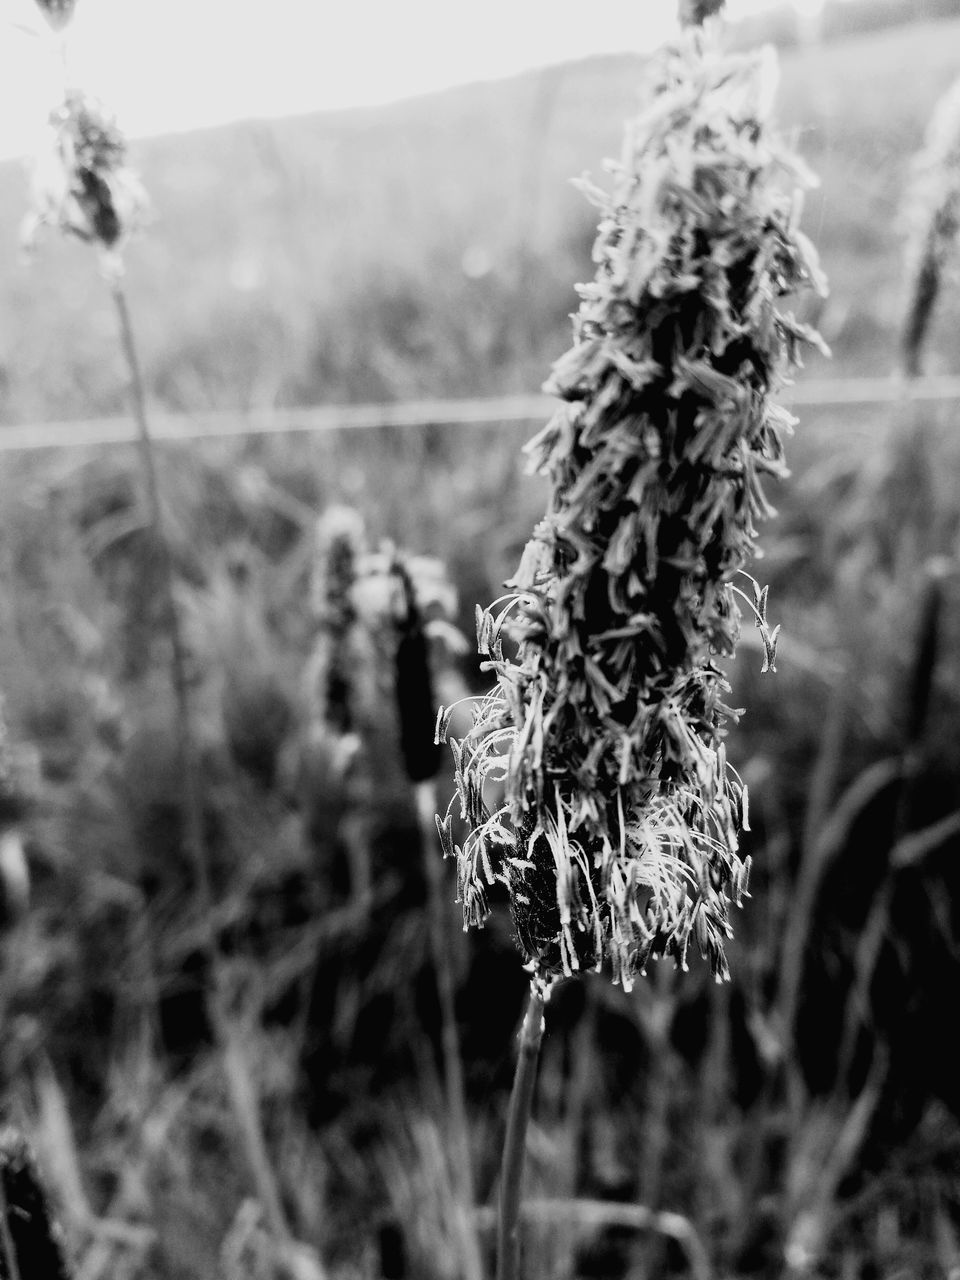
(242, 1092)
(8, 1250)
(514, 1147)
(189, 756)
(426, 797)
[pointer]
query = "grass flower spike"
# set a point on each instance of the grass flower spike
(617, 834)
(337, 659)
(413, 679)
(83, 185)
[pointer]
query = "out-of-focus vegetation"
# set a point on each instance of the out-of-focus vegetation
(802, 1119)
(430, 248)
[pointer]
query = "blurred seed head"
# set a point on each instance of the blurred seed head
(57, 12)
(413, 678)
(339, 547)
(81, 183)
(693, 12)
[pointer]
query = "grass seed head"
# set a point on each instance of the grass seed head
(57, 12)
(693, 12)
(413, 677)
(617, 833)
(340, 547)
(82, 183)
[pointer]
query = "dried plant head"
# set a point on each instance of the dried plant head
(413, 674)
(340, 545)
(933, 222)
(81, 183)
(57, 12)
(405, 604)
(594, 783)
(693, 12)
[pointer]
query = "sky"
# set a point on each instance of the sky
(184, 64)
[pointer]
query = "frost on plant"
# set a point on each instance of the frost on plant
(594, 781)
(81, 183)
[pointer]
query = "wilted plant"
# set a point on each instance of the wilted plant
(617, 836)
(934, 223)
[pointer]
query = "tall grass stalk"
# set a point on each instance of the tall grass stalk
(614, 817)
(186, 737)
(241, 1089)
(930, 607)
(415, 706)
(454, 1087)
(85, 189)
(518, 1119)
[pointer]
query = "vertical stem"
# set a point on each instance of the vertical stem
(243, 1096)
(514, 1147)
(189, 759)
(8, 1250)
(426, 796)
(245, 1099)
(920, 694)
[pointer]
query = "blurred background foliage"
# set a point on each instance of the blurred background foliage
(801, 1120)
(430, 247)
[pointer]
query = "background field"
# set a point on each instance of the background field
(803, 1120)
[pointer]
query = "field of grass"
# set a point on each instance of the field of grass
(430, 248)
(800, 1121)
